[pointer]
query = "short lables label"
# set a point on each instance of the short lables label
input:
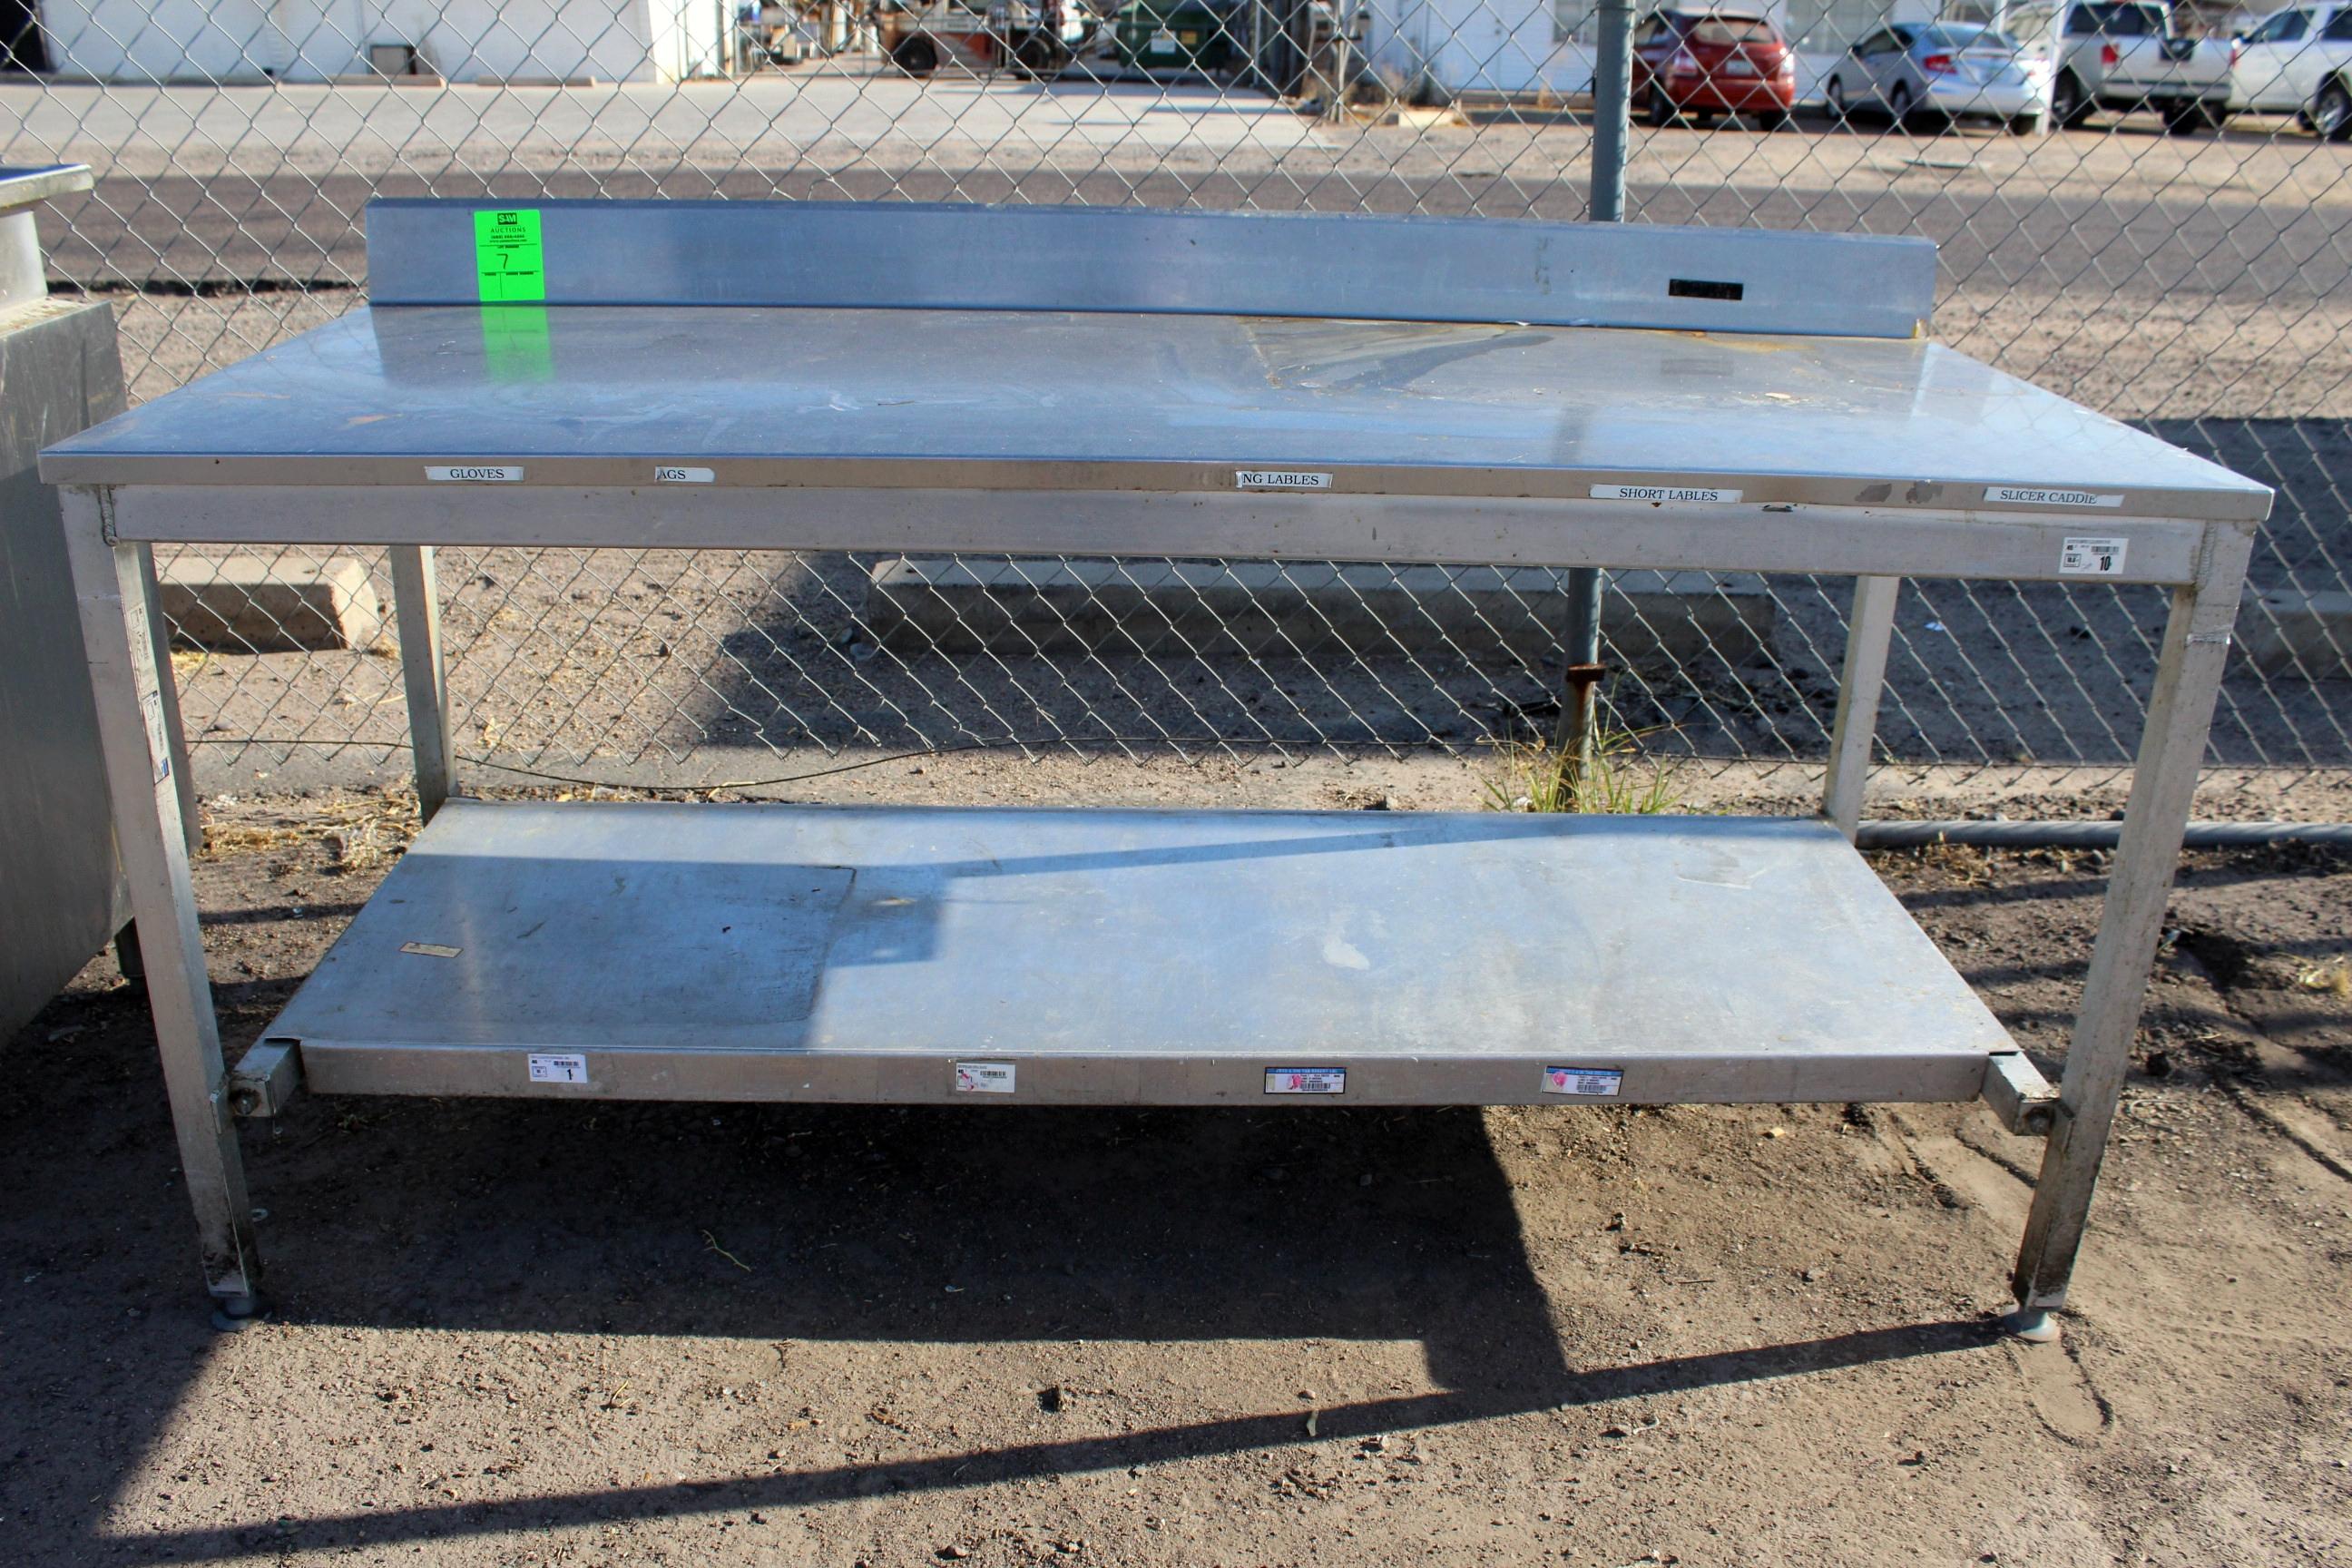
(476, 474)
(1660, 495)
(1280, 480)
(673, 474)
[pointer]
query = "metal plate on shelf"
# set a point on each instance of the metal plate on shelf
(761, 952)
(472, 406)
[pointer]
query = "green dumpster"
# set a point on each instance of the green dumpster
(1176, 35)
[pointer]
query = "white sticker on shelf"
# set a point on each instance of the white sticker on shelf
(476, 474)
(1306, 1080)
(430, 949)
(669, 474)
(1659, 495)
(1280, 480)
(2039, 495)
(984, 1078)
(558, 1067)
(1596, 1083)
(2092, 557)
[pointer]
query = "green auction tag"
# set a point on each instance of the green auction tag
(508, 259)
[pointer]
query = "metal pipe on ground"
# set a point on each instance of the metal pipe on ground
(2003, 835)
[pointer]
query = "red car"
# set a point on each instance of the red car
(1701, 64)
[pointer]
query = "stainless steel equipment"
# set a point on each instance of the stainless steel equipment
(1278, 387)
(60, 895)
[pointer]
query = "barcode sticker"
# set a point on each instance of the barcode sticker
(984, 1078)
(1596, 1083)
(1306, 1080)
(2092, 557)
(558, 1068)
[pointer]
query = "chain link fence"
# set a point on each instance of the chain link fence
(2149, 215)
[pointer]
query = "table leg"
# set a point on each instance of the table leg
(131, 698)
(1869, 628)
(417, 605)
(2164, 782)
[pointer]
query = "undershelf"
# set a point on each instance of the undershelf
(767, 951)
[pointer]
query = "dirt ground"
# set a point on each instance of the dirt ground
(592, 1334)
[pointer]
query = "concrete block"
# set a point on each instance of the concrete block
(1017, 606)
(2282, 631)
(247, 605)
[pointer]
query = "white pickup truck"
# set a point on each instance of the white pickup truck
(2124, 55)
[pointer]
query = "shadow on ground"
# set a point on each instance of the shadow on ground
(852, 1225)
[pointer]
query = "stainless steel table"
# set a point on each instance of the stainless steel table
(1066, 380)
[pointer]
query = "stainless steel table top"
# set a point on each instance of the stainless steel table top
(608, 396)
(779, 952)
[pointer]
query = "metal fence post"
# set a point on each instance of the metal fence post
(1612, 115)
(1612, 108)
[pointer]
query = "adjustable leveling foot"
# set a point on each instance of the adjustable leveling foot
(2034, 1325)
(232, 1313)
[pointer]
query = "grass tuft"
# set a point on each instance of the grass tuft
(1621, 781)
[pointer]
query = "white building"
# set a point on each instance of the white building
(1518, 47)
(316, 40)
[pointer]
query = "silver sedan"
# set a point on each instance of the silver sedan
(1944, 69)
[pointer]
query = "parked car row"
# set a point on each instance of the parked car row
(2055, 62)
(2051, 63)
(1699, 64)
